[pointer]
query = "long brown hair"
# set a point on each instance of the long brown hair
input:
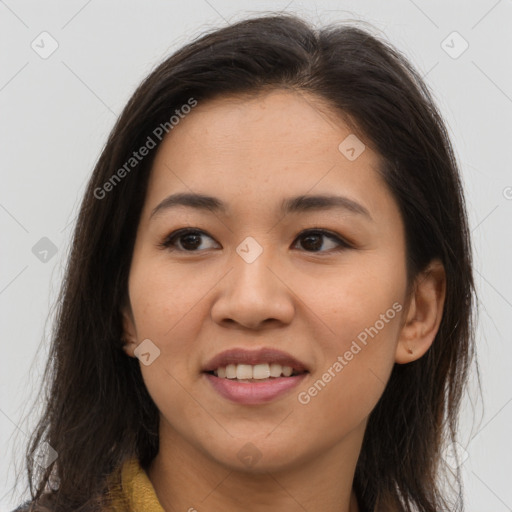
(97, 409)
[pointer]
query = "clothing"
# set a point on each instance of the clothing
(137, 493)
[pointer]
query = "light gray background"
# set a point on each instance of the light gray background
(56, 113)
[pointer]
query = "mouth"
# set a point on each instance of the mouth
(261, 364)
(254, 377)
(262, 372)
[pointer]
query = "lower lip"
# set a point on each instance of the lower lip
(254, 392)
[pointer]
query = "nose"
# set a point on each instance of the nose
(254, 295)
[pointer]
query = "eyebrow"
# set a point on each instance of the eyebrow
(298, 204)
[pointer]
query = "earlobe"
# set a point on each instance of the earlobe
(129, 337)
(424, 314)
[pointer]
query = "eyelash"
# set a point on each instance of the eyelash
(170, 241)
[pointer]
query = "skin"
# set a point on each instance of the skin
(251, 154)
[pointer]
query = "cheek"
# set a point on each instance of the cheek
(171, 377)
(166, 312)
(353, 300)
(355, 368)
(359, 314)
(164, 297)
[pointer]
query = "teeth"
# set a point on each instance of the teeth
(287, 371)
(231, 371)
(260, 371)
(257, 371)
(243, 371)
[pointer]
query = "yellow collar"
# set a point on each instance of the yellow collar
(137, 492)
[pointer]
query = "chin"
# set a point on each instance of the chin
(255, 455)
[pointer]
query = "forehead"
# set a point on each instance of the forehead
(271, 125)
(259, 149)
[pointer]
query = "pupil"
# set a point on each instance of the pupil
(189, 236)
(317, 246)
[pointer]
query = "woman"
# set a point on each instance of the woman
(268, 304)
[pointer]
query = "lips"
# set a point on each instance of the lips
(253, 357)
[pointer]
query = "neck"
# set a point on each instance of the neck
(185, 478)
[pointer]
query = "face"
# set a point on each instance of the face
(326, 285)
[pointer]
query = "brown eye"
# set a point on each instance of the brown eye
(188, 239)
(313, 241)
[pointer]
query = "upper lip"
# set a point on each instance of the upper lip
(252, 357)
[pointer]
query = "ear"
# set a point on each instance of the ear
(129, 337)
(423, 314)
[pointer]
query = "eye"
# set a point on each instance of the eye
(313, 239)
(190, 240)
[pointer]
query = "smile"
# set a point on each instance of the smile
(253, 391)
